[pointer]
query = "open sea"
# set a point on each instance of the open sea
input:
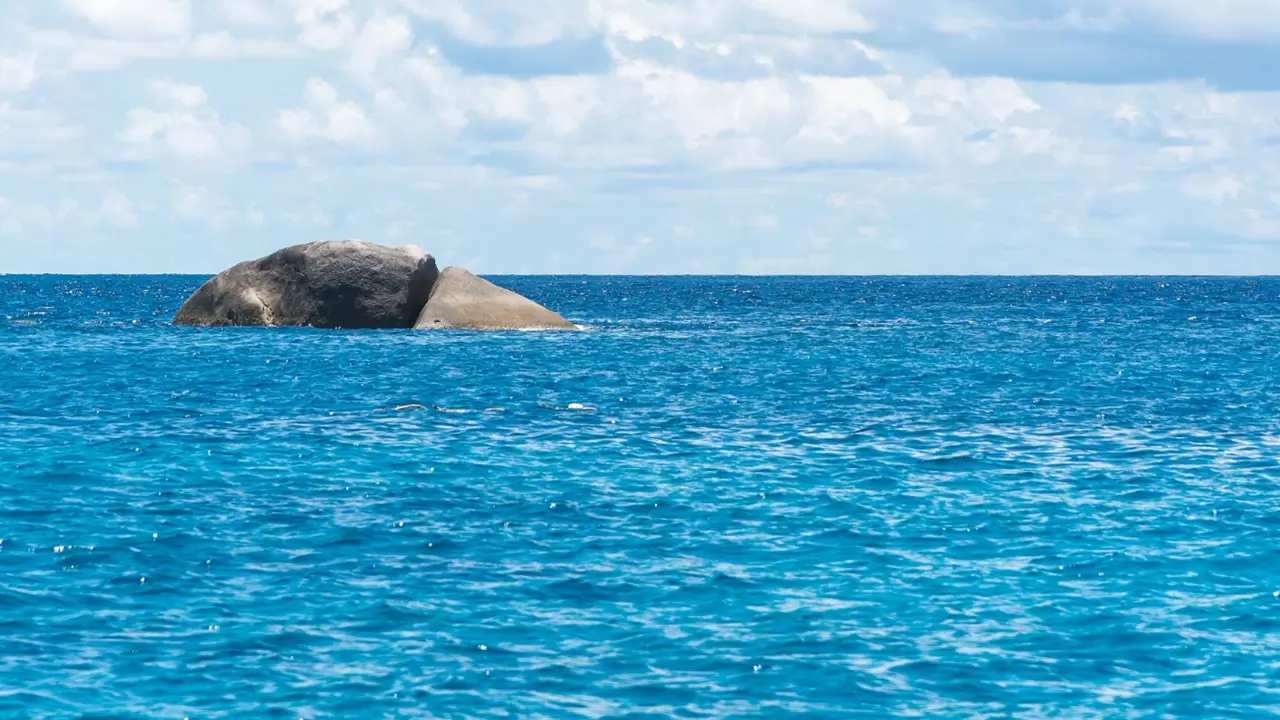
(781, 498)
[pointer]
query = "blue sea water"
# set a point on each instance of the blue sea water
(795, 497)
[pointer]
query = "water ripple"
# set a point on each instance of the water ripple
(822, 497)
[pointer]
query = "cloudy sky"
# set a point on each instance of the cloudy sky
(645, 136)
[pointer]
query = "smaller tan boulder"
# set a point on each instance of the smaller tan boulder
(461, 301)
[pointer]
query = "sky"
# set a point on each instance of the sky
(645, 136)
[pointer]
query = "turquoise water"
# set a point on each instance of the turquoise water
(794, 498)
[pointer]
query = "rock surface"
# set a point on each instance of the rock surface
(462, 301)
(332, 284)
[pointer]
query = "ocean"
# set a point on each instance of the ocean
(780, 498)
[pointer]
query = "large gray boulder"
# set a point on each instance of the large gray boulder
(336, 284)
(462, 301)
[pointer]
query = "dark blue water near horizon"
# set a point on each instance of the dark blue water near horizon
(794, 497)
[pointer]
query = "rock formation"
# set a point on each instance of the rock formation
(343, 284)
(462, 301)
(355, 284)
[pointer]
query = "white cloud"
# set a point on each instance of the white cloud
(1222, 20)
(324, 24)
(42, 132)
(981, 100)
(261, 13)
(183, 127)
(1216, 190)
(17, 72)
(114, 211)
(16, 218)
(24, 218)
(118, 210)
(639, 20)
(500, 22)
(665, 119)
(197, 205)
(615, 255)
(644, 112)
(310, 219)
(58, 51)
(383, 36)
(224, 46)
(135, 19)
(327, 117)
(840, 105)
(1215, 20)
(814, 16)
